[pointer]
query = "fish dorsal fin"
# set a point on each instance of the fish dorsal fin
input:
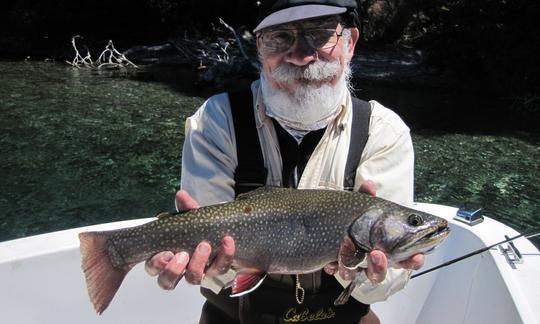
(244, 283)
(260, 192)
(349, 255)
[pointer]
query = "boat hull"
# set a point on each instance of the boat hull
(42, 282)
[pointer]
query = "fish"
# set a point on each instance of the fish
(276, 231)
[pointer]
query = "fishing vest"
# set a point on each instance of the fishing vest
(275, 301)
(251, 172)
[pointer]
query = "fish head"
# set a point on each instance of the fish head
(398, 231)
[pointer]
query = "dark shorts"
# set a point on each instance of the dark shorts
(275, 303)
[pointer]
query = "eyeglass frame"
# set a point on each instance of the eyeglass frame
(299, 30)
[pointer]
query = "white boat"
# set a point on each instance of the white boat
(41, 282)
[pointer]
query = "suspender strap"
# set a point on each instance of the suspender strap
(359, 136)
(250, 172)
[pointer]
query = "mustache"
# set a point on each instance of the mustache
(315, 71)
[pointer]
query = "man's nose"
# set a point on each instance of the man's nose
(301, 53)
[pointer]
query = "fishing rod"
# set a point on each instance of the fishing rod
(532, 233)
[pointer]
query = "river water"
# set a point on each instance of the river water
(81, 146)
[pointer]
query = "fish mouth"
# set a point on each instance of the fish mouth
(431, 239)
(427, 242)
(441, 231)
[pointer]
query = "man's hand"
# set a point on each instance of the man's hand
(377, 266)
(171, 268)
(377, 262)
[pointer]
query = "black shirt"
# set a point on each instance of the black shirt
(295, 156)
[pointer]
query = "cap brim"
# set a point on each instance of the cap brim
(298, 13)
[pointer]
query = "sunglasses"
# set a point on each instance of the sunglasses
(281, 40)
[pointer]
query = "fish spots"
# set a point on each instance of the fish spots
(284, 229)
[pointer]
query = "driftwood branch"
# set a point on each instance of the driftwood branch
(79, 60)
(109, 58)
(225, 52)
(239, 42)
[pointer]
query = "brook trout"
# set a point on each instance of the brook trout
(276, 230)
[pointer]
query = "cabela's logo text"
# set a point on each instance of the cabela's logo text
(306, 315)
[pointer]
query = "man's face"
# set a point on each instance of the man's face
(303, 43)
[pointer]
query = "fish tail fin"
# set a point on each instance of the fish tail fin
(102, 279)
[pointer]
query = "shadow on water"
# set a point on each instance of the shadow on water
(424, 100)
(191, 81)
(448, 109)
(82, 147)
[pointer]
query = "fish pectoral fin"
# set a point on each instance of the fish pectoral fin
(244, 283)
(349, 255)
(345, 294)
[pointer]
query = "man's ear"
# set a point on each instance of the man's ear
(257, 40)
(355, 35)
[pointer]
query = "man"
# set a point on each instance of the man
(302, 108)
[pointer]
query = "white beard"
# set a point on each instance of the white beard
(309, 107)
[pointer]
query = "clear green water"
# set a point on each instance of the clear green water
(80, 147)
(500, 172)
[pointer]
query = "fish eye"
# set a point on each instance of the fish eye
(415, 220)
